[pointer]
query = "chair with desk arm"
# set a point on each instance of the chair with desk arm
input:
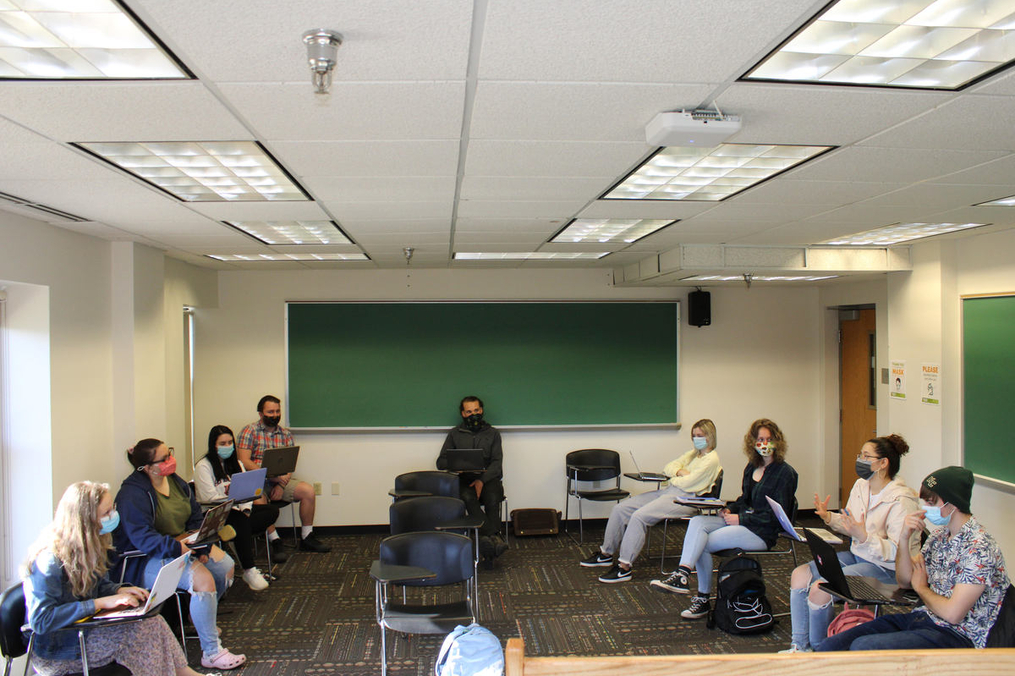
(424, 483)
(715, 492)
(587, 466)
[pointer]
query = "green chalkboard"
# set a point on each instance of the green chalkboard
(384, 365)
(988, 385)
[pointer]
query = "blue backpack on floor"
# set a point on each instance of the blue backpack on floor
(470, 651)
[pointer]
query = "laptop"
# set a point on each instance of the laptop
(244, 486)
(214, 520)
(164, 587)
(466, 460)
(850, 587)
(279, 461)
(647, 476)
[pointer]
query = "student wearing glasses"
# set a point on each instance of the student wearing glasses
(157, 508)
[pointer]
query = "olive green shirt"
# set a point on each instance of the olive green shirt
(172, 511)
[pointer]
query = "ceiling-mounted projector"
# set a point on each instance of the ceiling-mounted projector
(695, 128)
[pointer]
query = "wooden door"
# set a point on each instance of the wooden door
(857, 393)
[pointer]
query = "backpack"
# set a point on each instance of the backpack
(741, 606)
(470, 651)
(849, 618)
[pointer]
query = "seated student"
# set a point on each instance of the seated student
(749, 523)
(66, 580)
(211, 482)
(877, 507)
(960, 577)
(693, 473)
(157, 508)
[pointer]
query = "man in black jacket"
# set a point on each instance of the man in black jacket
(481, 491)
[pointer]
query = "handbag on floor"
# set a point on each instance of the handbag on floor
(849, 618)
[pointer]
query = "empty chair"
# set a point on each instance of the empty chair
(426, 482)
(587, 466)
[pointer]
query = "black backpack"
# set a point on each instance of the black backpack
(741, 606)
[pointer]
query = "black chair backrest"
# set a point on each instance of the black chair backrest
(716, 490)
(429, 481)
(12, 616)
(423, 514)
(590, 458)
(449, 555)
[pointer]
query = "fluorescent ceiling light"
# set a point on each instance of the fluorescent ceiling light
(292, 232)
(79, 40)
(259, 258)
(204, 171)
(609, 230)
(900, 232)
(528, 256)
(758, 278)
(708, 174)
(925, 44)
(1003, 202)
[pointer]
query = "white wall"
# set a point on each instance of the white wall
(762, 341)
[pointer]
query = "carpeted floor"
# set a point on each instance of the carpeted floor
(318, 618)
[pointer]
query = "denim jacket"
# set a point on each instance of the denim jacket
(52, 606)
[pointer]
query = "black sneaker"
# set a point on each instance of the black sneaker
(277, 554)
(616, 574)
(597, 560)
(311, 544)
(676, 583)
(486, 547)
(697, 610)
(499, 546)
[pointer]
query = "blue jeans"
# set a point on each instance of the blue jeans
(707, 534)
(910, 631)
(203, 605)
(809, 622)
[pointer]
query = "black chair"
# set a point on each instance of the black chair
(424, 483)
(586, 466)
(714, 492)
(425, 559)
(12, 643)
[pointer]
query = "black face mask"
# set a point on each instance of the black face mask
(272, 421)
(474, 421)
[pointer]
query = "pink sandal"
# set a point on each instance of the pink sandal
(223, 660)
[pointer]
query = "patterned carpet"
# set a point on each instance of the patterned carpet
(318, 618)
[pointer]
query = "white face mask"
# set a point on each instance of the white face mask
(764, 448)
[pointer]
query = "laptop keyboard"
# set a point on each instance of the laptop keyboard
(861, 590)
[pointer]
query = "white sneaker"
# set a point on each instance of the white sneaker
(794, 648)
(254, 579)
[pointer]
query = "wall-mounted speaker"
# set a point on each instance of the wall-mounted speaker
(699, 308)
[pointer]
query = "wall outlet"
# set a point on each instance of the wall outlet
(317, 488)
(334, 488)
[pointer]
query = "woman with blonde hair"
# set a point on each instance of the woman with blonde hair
(66, 580)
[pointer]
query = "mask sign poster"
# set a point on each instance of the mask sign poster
(930, 388)
(898, 382)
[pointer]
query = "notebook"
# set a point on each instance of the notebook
(214, 519)
(279, 461)
(788, 528)
(647, 476)
(466, 460)
(245, 486)
(851, 587)
(164, 587)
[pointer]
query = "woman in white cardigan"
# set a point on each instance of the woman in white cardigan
(873, 518)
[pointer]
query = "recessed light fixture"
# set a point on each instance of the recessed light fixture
(898, 233)
(708, 174)
(924, 44)
(758, 278)
(528, 256)
(601, 230)
(258, 258)
(1003, 202)
(204, 171)
(80, 40)
(292, 232)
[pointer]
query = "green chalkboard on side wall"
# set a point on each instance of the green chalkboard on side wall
(393, 365)
(988, 385)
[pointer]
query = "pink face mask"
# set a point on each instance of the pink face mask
(166, 467)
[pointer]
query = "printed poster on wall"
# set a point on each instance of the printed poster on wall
(930, 389)
(897, 385)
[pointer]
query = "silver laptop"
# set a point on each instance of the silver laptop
(163, 588)
(647, 476)
(279, 461)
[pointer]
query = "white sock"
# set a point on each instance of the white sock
(272, 536)
(307, 530)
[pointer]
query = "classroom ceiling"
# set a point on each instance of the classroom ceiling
(487, 125)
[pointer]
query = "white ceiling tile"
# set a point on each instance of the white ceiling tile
(891, 165)
(733, 212)
(380, 211)
(966, 123)
(787, 191)
(645, 209)
(874, 216)
(532, 189)
(936, 196)
(395, 189)
(379, 111)
(997, 172)
(398, 226)
(260, 211)
(124, 198)
(999, 216)
(1001, 84)
(46, 160)
(506, 225)
(370, 158)
(518, 209)
(551, 158)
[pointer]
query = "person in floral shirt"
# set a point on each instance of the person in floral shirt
(959, 575)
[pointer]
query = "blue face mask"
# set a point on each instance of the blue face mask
(108, 524)
(933, 514)
(700, 443)
(226, 451)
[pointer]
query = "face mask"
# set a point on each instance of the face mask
(863, 469)
(226, 451)
(108, 524)
(764, 449)
(933, 514)
(474, 421)
(272, 421)
(700, 443)
(166, 467)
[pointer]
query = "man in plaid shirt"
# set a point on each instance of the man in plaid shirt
(267, 433)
